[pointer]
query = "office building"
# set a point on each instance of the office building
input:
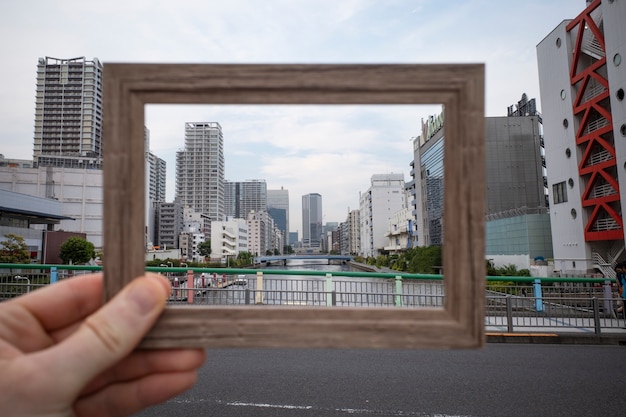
(425, 189)
(278, 208)
(312, 221)
(240, 198)
(68, 113)
(200, 170)
(582, 76)
(517, 223)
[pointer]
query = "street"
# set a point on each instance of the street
(501, 380)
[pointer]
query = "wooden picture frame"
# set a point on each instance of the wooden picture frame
(459, 87)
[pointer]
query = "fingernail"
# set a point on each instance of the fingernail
(142, 297)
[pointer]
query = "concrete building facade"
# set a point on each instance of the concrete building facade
(385, 197)
(79, 191)
(229, 238)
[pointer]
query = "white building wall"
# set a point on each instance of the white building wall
(614, 16)
(381, 201)
(79, 191)
(568, 232)
(228, 238)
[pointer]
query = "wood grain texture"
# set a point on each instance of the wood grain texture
(459, 87)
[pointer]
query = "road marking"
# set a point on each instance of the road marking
(353, 411)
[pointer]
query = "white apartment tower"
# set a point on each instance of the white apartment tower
(68, 113)
(200, 169)
(582, 76)
(378, 204)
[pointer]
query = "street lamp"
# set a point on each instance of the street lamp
(17, 277)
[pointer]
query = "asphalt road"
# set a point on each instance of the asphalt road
(501, 380)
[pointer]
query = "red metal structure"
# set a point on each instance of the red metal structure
(594, 136)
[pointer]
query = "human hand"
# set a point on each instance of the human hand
(63, 353)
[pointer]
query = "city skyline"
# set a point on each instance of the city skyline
(296, 147)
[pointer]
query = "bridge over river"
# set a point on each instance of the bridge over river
(284, 259)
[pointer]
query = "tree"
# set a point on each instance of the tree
(77, 250)
(13, 250)
(204, 248)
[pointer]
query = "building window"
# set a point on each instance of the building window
(559, 193)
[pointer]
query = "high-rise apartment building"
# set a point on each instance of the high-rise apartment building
(312, 221)
(68, 113)
(278, 208)
(200, 170)
(582, 75)
(242, 197)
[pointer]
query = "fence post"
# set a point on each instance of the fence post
(334, 298)
(329, 289)
(247, 296)
(509, 314)
(190, 286)
(258, 297)
(607, 305)
(398, 298)
(54, 275)
(538, 296)
(596, 315)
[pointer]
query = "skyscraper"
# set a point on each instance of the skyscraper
(278, 208)
(241, 197)
(200, 170)
(68, 113)
(311, 220)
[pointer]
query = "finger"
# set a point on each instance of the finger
(66, 302)
(141, 363)
(128, 398)
(108, 335)
(29, 322)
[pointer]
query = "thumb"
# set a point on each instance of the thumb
(111, 333)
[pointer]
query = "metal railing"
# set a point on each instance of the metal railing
(513, 304)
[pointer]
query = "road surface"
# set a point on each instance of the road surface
(501, 380)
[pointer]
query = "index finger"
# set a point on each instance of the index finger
(61, 304)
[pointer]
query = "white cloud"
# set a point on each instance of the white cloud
(305, 148)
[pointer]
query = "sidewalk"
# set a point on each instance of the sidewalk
(556, 335)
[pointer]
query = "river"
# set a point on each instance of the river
(298, 289)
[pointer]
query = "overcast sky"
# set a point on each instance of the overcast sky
(331, 150)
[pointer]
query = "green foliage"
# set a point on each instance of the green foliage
(509, 270)
(288, 249)
(204, 248)
(77, 251)
(423, 260)
(13, 250)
